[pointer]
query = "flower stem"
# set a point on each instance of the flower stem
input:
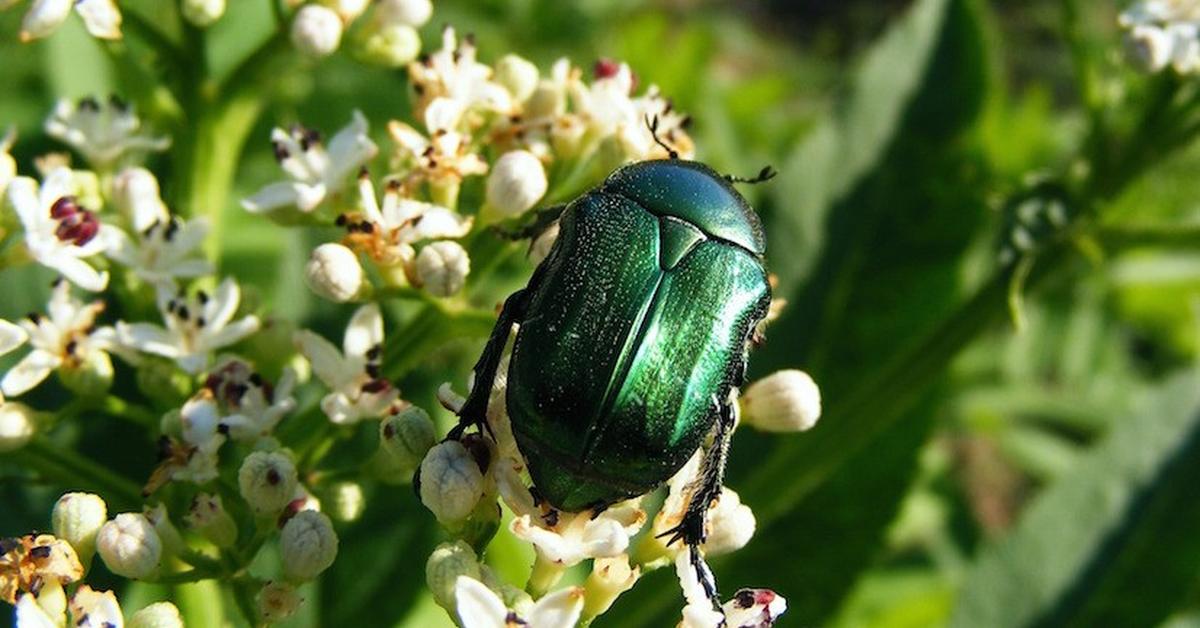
(138, 415)
(545, 575)
(71, 469)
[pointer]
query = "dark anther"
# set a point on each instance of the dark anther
(373, 352)
(34, 317)
(41, 551)
(273, 477)
(551, 518)
(71, 347)
(164, 447)
(172, 229)
(389, 431)
(366, 227)
(469, 39)
(118, 103)
(652, 124)
(281, 151)
(605, 68)
(456, 55)
(392, 185)
(373, 370)
(202, 297)
(363, 173)
(423, 59)
(89, 103)
(223, 428)
(341, 220)
(375, 386)
(200, 322)
(212, 381)
(418, 89)
(149, 231)
(766, 174)
(63, 208)
(428, 152)
(171, 306)
(312, 137)
(744, 598)
(256, 379)
(182, 312)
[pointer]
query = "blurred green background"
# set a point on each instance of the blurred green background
(965, 473)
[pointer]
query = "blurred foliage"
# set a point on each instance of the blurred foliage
(965, 473)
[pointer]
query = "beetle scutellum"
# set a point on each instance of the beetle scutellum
(633, 339)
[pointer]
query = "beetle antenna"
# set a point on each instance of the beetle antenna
(652, 124)
(766, 174)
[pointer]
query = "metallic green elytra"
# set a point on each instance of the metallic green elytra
(633, 331)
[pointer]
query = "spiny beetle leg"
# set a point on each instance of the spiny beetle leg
(542, 219)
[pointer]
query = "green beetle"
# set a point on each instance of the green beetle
(633, 338)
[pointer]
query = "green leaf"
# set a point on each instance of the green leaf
(1111, 543)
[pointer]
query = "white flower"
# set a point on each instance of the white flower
(194, 327)
(58, 232)
(442, 268)
(157, 615)
(136, 193)
(67, 338)
(77, 519)
(567, 538)
(267, 481)
(516, 184)
(316, 30)
(479, 607)
(101, 17)
(749, 608)
(389, 43)
(386, 231)
(445, 156)
(454, 73)
(277, 601)
(30, 614)
(729, 524)
(129, 545)
(11, 337)
(203, 13)
(164, 251)
(348, 10)
(316, 173)
(333, 272)
(8, 165)
(101, 132)
(611, 111)
(446, 564)
(1164, 32)
(308, 545)
(451, 482)
(784, 401)
(95, 609)
(237, 401)
(353, 376)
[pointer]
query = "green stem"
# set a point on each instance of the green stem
(243, 596)
(1117, 238)
(139, 26)
(71, 469)
(119, 408)
(191, 575)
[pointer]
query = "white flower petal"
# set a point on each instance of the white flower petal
(440, 223)
(22, 193)
(232, 333)
(223, 304)
(148, 338)
(339, 409)
(560, 608)
(29, 372)
(364, 332)
(477, 605)
(11, 336)
(30, 615)
(101, 17)
(326, 360)
(43, 17)
(78, 272)
(349, 149)
(302, 196)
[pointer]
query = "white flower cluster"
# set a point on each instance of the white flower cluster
(507, 122)
(102, 18)
(460, 481)
(1164, 33)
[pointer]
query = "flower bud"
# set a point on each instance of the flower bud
(517, 182)
(345, 501)
(451, 482)
(543, 243)
(406, 437)
(16, 425)
(172, 543)
(348, 10)
(442, 267)
(447, 562)
(333, 272)
(208, 517)
(413, 13)
(308, 545)
(157, 615)
(203, 13)
(89, 378)
(136, 192)
(785, 401)
(267, 481)
(43, 18)
(610, 578)
(566, 136)
(278, 601)
(730, 525)
(518, 75)
(547, 100)
(316, 30)
(389, 44)
(129, 545)
(77, 519)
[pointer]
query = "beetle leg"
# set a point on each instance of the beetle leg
(706, 490)
(542, 219)
(474, 409)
